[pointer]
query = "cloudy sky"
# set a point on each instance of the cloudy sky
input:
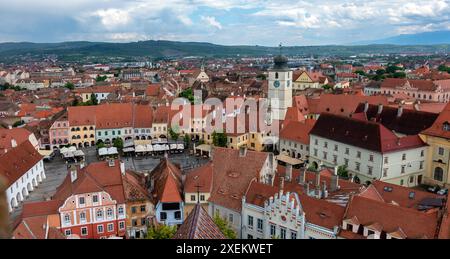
(230, 22)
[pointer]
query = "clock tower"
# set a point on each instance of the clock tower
(280, 87)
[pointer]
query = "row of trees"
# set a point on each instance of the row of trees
(390, 72)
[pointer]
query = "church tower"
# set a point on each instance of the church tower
(280, 87)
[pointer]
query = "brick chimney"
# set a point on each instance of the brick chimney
(288, 172)
(380, 108)
(334, 186)
(73, 173)
(400, 111)
(13, 143)
(302, 178)
(122, 168)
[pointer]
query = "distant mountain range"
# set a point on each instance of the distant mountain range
(425, 38)
(83, 50)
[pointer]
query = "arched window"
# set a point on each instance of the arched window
(276, 75)
(438, 174)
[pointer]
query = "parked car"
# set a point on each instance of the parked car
(443, 191)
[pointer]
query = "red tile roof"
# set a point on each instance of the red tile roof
(364, 134)
(233, 174)
(399, 195)
(199, 225)
(437, 129)
(297, 131)
(167, 183)
(391, 218)
(201, 177)
(20, 135)
(95, 177)
(19, 160)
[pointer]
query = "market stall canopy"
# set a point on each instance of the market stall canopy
(289, 160)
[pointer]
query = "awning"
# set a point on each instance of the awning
(128, 149)
(45, 153)
(204, 148)
(289, 160)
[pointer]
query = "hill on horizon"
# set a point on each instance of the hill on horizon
(424, 38)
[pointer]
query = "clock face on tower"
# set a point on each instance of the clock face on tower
(276, 84)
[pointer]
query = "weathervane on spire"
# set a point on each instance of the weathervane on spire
(281, 48)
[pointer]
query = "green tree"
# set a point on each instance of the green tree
(94, 99)
(18, 123)
(343, 171)
(174, 135)
(69, 85)
(444, 68)
(101, 78)
(161, 232)
(224, 227)
(399, 75)
(118, 143)
(393, 69)
(188, 94)
(360, 72)
(381, 72)
(219, 139)
(100, 144)
(187, 140)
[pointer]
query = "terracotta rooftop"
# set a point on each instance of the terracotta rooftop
(17, 161)
(199, 225)
(364, 134)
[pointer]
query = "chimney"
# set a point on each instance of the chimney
(400, 111)
(73, 174)
(334, 186)
(288, 172)
(13, 143)
(307, 189)
(122, 167)
(317, 179)
(324, 190)
(417, 106)
(302, 179)
(82, 164)
(366, 106)
(242, 152)
(111, 163)
(380, 108)
(281, 184)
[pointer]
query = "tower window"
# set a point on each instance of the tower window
(276, 75)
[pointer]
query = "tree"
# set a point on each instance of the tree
(187, 140)
(381, 72)
(188, 94)
(161, 232)
(174, 135)
(18, 123)
(118, 143)
(342, 171)
(219, 139)
(223, 225)
(69, 85)
(100, 144)
(94, 99)
(101, 78)
(360, 72)
(399, 75)
(392, 69)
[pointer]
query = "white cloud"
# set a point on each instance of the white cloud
(113, 17)
(211, 21)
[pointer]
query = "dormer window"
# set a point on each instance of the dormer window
(446, 126)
